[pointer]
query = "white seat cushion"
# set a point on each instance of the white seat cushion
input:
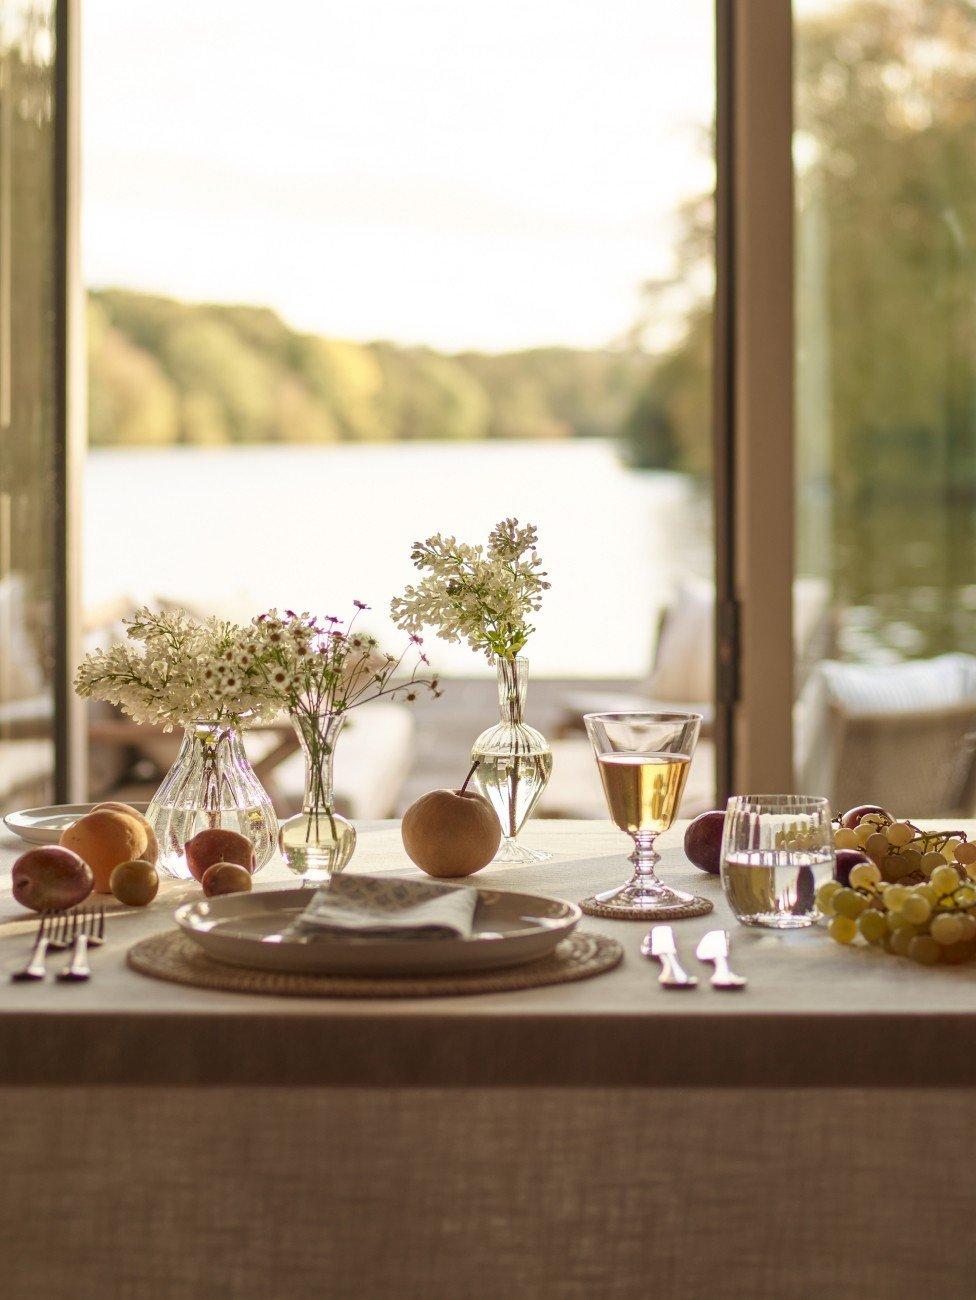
(683, 666)
(858, 689)
(21, 671)
(836, 694)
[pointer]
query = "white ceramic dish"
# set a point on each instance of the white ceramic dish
(44, 825)
(246, 930)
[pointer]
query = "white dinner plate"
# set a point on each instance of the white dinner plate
(44, 825)
(247, 930)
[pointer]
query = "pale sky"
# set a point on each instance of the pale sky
(488, 175)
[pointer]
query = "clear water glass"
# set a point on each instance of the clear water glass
(777, 850)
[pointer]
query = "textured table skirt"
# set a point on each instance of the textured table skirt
(198, 1192)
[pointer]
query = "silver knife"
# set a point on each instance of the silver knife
(659, 944)
(714, 947)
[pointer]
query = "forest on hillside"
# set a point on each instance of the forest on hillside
(164, 372)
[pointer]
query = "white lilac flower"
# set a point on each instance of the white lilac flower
(483, 597)
(183, 671)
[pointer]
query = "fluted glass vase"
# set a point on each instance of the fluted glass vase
(513, 762)
(317, 841)
(211, 786)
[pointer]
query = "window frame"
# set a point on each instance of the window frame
(70, 747)
(753, 397)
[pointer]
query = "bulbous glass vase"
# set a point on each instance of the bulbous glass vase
(211, 785)
(317, 841)
(513, 763)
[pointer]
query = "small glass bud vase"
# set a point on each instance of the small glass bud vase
(513, 762)
(211, 786)
(317, 841)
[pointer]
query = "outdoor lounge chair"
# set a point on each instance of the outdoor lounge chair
(682, 676)
(901, 735)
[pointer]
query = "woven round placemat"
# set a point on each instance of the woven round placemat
(171, 956)
(611, 912)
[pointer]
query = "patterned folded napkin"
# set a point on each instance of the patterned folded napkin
(382, 907)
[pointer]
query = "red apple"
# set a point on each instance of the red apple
(703, 841)
(51, 878)
(216, 845)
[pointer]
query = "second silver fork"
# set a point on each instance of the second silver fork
(53, 931)
(88, 931)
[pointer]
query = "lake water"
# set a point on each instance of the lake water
(236, 530)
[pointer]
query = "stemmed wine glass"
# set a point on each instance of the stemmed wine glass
(644, 760)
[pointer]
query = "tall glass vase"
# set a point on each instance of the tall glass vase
(317, 841)
(514, 762)
(211, 786)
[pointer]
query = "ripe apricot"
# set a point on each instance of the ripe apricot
(103, 839)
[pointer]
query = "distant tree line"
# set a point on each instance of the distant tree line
(163, 372)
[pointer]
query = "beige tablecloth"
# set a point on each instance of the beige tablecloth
(899, 1023)
(604, 1139)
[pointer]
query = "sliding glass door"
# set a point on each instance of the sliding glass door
(885, 148)
(34, 597)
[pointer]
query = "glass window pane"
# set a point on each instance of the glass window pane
(27, 412)
(475, 247)
(885, 152)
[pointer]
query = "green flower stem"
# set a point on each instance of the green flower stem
(318, 733)
(511, 713)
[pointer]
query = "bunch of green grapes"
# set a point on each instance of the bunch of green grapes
(900, 849)
(931, 922)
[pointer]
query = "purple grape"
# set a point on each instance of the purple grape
(806, 890)
(847, 859)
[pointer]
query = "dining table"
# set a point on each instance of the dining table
(808, 1135)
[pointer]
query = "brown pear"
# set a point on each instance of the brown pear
(450, 833)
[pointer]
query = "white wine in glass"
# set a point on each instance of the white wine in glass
(644, 760)
(643, 790)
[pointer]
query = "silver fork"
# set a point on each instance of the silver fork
(52, 932)
(87, 931)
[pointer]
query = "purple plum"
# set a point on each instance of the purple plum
(853, 816)
(703, 841)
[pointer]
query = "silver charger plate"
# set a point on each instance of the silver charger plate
(44, 825)
(247, 929)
